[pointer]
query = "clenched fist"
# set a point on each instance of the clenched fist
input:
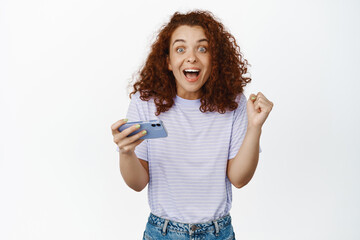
(258, 109)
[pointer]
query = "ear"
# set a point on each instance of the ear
(168, 63)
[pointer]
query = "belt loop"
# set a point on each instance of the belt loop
(216, 228)
(164, 228)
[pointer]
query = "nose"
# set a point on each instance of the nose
(191, 58)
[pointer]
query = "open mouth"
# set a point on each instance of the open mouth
(191, 74)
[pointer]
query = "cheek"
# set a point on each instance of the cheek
(176, 65)
(206, 61)
(170, 61)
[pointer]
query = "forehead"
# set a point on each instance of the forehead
(188, 33)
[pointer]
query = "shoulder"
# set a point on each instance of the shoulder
(241, 101)
(145, 106)
(136, 97)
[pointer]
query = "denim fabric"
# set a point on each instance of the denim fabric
(159, 228)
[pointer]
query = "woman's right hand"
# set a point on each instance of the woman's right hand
(126, 144)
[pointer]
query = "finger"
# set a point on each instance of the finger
(136, 136)
(115, 126)
(127, 131)
(252, 97)
(261, 95)
(125, 142)
(265, 101)
(257, 101)
(264, 107)
(257, 106)
(262, 99)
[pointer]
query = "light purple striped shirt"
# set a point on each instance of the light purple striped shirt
(188, 181)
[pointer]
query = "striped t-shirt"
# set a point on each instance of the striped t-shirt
(188, 181)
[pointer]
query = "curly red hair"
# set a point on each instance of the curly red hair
(226, 79)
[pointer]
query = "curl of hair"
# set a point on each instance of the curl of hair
(226, 79)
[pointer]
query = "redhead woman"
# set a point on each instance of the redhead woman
(193, 81)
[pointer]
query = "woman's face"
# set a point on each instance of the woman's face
(189, 60)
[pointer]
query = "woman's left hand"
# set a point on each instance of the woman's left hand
(258, 109)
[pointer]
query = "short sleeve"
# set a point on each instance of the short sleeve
(239, 127)
(136, 112)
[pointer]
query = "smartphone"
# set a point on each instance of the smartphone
(154, 129)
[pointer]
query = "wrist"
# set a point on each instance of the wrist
(254, 129)
(126, 152)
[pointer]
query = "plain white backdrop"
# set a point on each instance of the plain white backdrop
(64, 71)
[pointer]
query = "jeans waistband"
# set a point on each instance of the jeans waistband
(165, 224)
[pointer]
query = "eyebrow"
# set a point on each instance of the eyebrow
(182, 40)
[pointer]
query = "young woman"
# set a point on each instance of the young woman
(193, 81)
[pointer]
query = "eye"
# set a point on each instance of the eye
(180, 50)
(202, 49)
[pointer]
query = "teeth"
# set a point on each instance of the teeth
(191, 70)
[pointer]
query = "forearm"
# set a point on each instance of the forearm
(133, 173)
(244, 164)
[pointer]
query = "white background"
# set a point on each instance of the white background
(64, 70)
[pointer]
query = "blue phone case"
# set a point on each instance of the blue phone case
(154, 128)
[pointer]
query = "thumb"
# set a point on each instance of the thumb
(252, 98)
(251, 102)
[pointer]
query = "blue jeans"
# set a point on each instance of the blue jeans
(159, 228)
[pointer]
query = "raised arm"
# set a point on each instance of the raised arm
(242, 167)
